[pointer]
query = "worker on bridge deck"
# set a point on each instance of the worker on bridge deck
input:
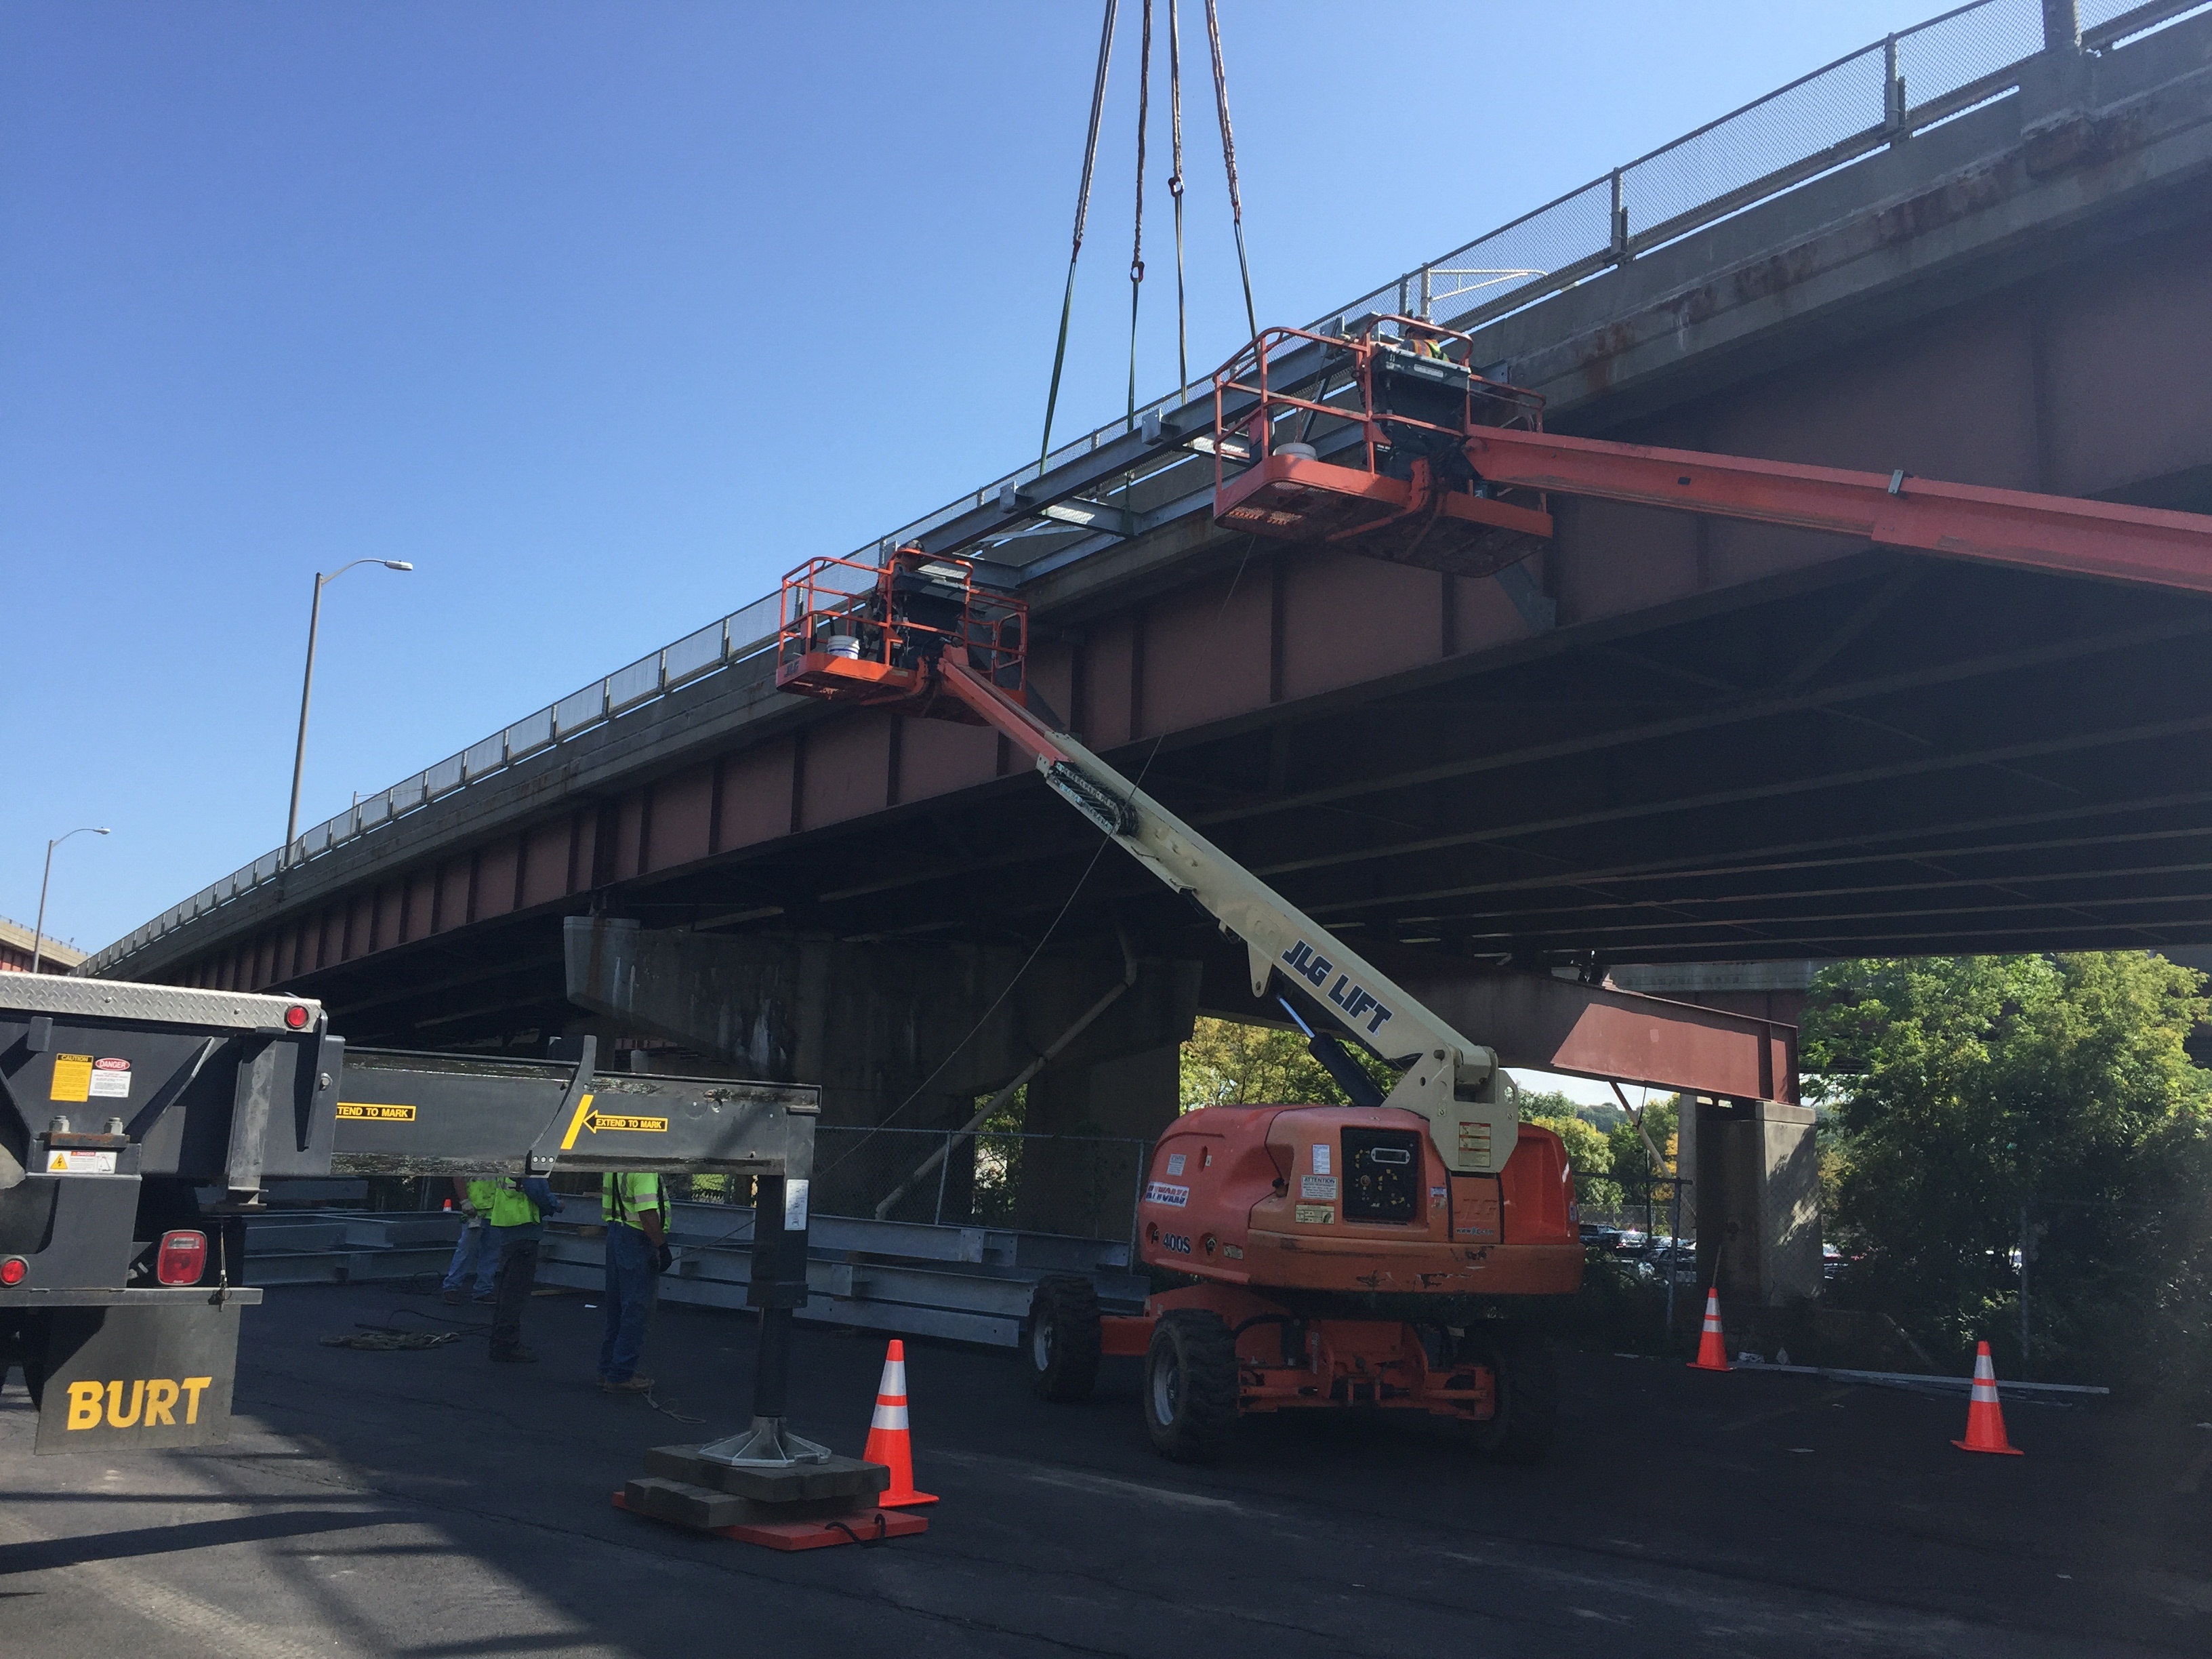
(637, 1213)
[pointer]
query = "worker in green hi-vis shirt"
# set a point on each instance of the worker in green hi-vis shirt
(637, 1213)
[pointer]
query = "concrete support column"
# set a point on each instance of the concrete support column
(900, 1039)
(1756, 1172)
(1088, 1186)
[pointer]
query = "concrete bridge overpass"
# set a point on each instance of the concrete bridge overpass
(1666, 740)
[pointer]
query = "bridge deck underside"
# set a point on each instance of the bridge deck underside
(1880, 755)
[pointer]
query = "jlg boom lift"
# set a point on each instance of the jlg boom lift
(1289, 1221)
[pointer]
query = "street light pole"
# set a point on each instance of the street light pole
(307, 688)
(39, 928)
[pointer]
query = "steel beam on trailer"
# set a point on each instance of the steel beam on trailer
(453, 1115)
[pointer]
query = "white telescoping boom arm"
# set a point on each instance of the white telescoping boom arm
(1456, 1085)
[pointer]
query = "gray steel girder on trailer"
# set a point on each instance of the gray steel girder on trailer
(118, 1102)
(426, 1113)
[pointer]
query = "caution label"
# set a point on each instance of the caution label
(1313, 1215)
(374, 1113)
(64, 1161)
(587, 1120)
(72, 1078)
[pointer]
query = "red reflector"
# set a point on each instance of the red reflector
(183, 1257)
(13, 1269)
(296, 1018)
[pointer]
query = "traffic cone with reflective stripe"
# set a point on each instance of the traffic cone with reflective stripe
(1712, 1347)
(889, 1443)
(1985, 1417)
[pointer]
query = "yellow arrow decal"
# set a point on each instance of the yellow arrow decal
(583, 1111)
(588, 1121)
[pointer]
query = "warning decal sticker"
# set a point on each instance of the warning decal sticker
(110, 1079)
(72, 1078)
(1312, 1214)
(1158, 1192)
(374, 1113)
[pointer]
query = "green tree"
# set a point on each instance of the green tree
(1226, 1064)
(1966, 1088)
(1631, 1157)
(1589, 1154)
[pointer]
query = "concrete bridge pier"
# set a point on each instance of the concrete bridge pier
(906, 1038)
(1755, 1200)
(1089, 1183)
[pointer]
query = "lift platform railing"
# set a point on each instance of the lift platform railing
(874, 641)
(1402, 389)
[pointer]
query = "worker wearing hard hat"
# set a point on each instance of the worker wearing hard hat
(1427, 342)
(637, 1213)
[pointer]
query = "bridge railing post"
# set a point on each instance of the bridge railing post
(2062, 25)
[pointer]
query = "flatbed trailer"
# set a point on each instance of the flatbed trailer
(120, 1102)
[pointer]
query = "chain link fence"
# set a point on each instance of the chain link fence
(1078, 1185)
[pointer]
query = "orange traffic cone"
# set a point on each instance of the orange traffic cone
(1985, 1417)
(1712, 1347)
(889, 1443)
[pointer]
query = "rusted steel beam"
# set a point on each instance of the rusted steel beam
(1551, 1025)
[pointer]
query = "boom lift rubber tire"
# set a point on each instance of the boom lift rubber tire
(1528, 1382)
(1190, 1386)
(1063, 1337)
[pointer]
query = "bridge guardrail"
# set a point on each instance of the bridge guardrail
(1846, 110)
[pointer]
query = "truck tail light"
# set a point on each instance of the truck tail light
(12, 1269)
(296, 1018)
(184, 1255)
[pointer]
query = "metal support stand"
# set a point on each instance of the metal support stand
(778, 1286)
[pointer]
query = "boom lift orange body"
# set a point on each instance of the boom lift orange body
(1290, 1221)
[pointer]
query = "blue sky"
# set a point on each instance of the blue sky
(605, 316)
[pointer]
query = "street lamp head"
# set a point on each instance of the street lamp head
(396, 564)
(99, 832)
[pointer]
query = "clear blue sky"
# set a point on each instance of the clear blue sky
(605, 316)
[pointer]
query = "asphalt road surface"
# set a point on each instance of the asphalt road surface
(432, 1504)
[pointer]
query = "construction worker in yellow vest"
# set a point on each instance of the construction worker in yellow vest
(475, 1253)
(636, 1214)
(518, 1213)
